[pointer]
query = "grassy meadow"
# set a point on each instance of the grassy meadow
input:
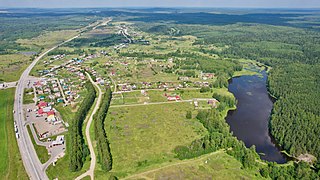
(216, 165)
(47, 39)
(11, 166)
(145, 136)
(12, 66)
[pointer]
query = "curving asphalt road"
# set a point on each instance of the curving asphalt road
(32, 164)
(90, 172)
(29, 156)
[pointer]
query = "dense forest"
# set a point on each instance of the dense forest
(294, 81)
(296, 115)
(78, 150)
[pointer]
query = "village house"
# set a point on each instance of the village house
(206, 76)
(173, 98)
(213, 102)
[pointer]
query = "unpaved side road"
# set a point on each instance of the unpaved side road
(90, 172)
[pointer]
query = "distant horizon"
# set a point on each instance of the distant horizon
(162, 7)
(243, 4)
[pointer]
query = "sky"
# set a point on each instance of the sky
(160, 3)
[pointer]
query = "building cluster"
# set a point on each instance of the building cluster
(48, 88)
(45, 108)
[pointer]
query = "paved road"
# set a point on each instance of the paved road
(90, 172)
(32, 164)
(29, 156)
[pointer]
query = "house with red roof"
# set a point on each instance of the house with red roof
(50, 113)
(40, 111)
(42, 104)
(173, 98)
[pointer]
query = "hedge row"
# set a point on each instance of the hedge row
(104, 154)
(78, 149)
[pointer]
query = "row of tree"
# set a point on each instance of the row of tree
(78, 150)
(103, 148)
(219, 137)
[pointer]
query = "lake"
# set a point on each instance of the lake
(249, 122)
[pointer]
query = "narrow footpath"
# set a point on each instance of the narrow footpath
(90, 172)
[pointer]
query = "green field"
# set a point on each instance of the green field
(145, 136)
(11, 166)
(216, 165)
(12, 66)
(47, 39)
(28, 98)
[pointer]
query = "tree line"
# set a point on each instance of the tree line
(78, 150)
(103, 148)
(219, 137)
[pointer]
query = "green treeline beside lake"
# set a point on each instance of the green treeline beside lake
(293, 80)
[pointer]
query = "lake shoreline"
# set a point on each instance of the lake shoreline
(270, 151)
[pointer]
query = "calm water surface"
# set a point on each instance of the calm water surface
(249, 122)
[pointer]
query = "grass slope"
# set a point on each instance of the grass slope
(216, 165)
(11, 166)
(144, 136)
(12, 66)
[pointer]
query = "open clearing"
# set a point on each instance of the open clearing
(143, 136)
(216, 165)
(12, 66)
(11, 166)
(47, 39)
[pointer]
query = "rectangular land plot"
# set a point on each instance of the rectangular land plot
(144, 136)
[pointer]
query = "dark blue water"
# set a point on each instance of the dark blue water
(249, 122)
